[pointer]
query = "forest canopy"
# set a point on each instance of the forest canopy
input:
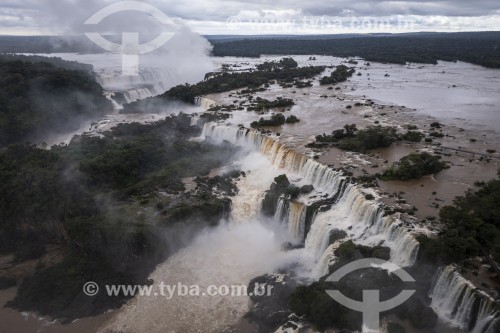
(41, 96)
(103, 198)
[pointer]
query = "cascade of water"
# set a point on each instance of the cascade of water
(322, 177)
(296, 221)
(133, 95)
(293, 215)
(458, 301)
(362, 219)
(196, 120)
(205, 103)
(150, 81)
(281, 209)
(159, 78)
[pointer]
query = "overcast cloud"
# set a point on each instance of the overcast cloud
(28, 17)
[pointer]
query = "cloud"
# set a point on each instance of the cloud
(209, 16)
(401, 7)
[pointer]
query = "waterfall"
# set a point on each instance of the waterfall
(457, 301)
(360, 218)
(205, 103)
(364, 222)
(158, 78)
(151, 81)
(135, 94)
(322, 177)
(281, 209)
(110, 96)
(293, 215)
(296, 221)
(242, 248)
(278, 154)
(196, 120)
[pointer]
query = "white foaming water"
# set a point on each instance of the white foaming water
(246, 205)
(457, 301)
(364, 222)
(322, 177)
(292, 214)
(296, 220)
(231, 254)
(360, 218)
(205, 103)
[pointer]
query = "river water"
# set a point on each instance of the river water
(248, 245)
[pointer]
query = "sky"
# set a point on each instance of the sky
(255, 17)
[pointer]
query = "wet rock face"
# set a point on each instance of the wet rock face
(317, 307)
(418, 313)
(306, 189)
(348, 251)
(6, 283)
(279, 187)
(337, 234)
(395, 328)
(272, 310)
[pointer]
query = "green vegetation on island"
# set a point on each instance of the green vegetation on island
(353, 139)
(275, 120)
(285, 63)
(340, 74)
(413, 136)
(263, 104)
(413, 166)
(225, 82)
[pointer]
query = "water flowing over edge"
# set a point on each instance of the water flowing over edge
(363, 220)
(457, 301)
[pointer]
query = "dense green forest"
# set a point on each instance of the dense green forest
(103, 198)
(38, 97)
(471, 227)
(477, 48)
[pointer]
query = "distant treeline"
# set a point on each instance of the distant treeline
(41, 95)
(481, 48)
(47, 44)
(56, 61)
